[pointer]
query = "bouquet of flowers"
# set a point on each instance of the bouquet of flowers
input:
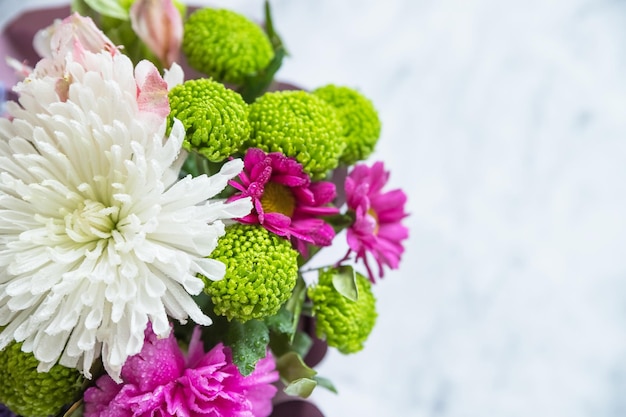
(161, 199)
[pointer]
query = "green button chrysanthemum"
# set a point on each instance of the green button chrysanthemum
(301, 126)
(345, 324)
(34, 394)
(215, 117)
(261, 271)
(359, 121)
(225, 45)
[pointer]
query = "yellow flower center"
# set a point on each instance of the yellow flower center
(278, 199)
(373, 213)
(90, 221)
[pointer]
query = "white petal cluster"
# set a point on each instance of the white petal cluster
(97, 234)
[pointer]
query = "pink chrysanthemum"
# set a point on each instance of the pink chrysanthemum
(159, 381)
(285, 200)
(377, 227)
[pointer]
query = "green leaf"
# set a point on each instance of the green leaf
(281, 331)
(281, 322)
(277, 43)
(110, 8)
(326, 383)
(80, 7)
(248, 342)
(302, 387)
(292, 367)
(75, 410)
(301, 343)
(340, 222)
(294, 304)
(255, 84)
(344, 281)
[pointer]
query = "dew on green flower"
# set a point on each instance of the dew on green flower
(215, 117)
(225, 45)
(29, 393)
(359, 120)
(261, 272)
(345, 324)
(299, 125)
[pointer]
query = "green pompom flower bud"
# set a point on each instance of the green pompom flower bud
(225, 45)
(215, 118)
(299, 125)
(358, 118)
(261, 272)
(34, 394)
(345, 324)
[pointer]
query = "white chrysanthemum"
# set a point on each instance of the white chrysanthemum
(97, 235)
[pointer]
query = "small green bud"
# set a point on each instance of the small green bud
(301, 126)
(34, 394)
(215, 118)
(261, 272)
(344, 323)
(225, 45)
(359, 121)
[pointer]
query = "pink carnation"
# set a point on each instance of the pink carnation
(377, 227)
(160, 381)
(285, 201)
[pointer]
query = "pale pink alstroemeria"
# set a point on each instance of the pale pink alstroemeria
(73, 35)
(160, 26)
(77, 37)
(21, 69)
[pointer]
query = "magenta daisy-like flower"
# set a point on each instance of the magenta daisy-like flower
(377, 227)
(160, 381)
(285, 200)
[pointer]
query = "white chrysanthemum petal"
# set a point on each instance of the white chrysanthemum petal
(174, 76)
(220, 210)
(210, 268)
(97, 236)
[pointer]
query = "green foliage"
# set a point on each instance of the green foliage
(255, 84)
(110, 8)
(248, 342)
(296, 375)
(284, 337)
(344, 281)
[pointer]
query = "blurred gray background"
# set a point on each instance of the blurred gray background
(505, 122)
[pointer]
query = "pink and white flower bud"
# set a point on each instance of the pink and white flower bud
(160, 26)
(74, 34)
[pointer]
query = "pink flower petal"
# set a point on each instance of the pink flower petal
(289, 180)
(209, 385)
(310, 200)
(377, 229)
(151, 90)
(253, 157)
(324, 192)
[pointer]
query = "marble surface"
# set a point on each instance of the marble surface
(505, 123)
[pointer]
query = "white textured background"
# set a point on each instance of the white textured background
(505, 122)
